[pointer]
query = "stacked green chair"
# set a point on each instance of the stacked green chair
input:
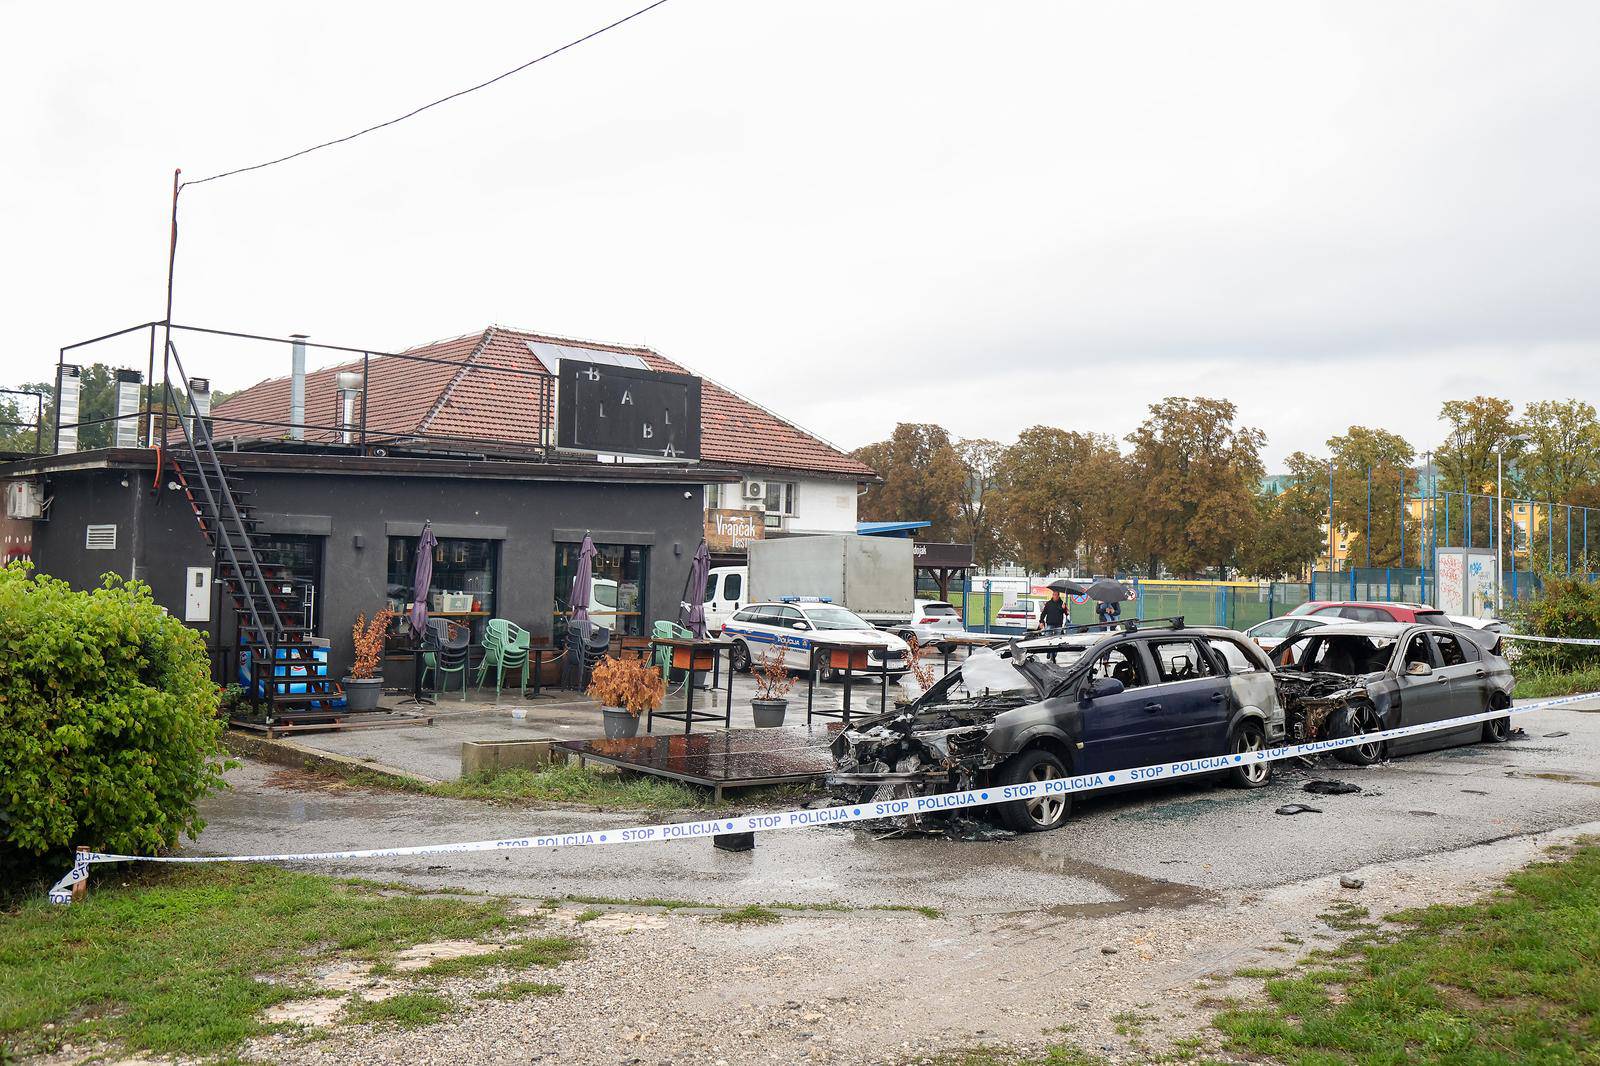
(448, 647)
(505, 651)
(667, 630)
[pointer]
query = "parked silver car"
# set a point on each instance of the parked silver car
(1364, 677)
(1275, 631)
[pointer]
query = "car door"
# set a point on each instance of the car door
(795, 643)
(1194, 699)
(1422, 695)
(1463, 687)
(1117, 729)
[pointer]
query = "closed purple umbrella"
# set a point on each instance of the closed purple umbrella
(692, 611)
(582, 580)
(423, 579)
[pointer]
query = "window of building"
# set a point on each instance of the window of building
(780, 503)
(302, 556)
(616, 591)
(464, 582)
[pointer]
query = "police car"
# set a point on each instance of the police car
(794, 622)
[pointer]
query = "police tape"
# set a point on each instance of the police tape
(1590, 641)
(843, 813)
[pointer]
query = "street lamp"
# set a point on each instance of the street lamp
(1499, 517)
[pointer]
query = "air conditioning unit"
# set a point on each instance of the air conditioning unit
(755, 490)
(24, 499)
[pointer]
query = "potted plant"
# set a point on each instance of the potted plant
(625, 689)
(364, 684)
(773, 682)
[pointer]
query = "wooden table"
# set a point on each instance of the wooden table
(847, 657)
(692, 656)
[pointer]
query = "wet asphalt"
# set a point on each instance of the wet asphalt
(1164, 847)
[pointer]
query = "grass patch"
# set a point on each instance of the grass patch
(751, 914)
(1548, 684)
(174, 961)
(409, 1010)
(546, 951)
(512, 991)
(588, 916)
(571, 783)
(1511, 978)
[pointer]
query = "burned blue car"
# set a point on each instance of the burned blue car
(1075, 704)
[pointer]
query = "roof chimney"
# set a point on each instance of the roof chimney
(297, 387)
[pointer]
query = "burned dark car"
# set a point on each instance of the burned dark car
(1364, 677)
(1071, 705)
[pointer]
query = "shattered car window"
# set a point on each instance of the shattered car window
(1122, 664)
(1347, 654)
(986, 672)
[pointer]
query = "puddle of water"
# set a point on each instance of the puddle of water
(1134, 892)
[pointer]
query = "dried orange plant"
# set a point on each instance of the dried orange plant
(772, 677)
(634, 684)
(921, 669)
(369, 638)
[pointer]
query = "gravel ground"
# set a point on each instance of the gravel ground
(873, 987)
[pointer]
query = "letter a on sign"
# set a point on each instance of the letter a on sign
(627, 396)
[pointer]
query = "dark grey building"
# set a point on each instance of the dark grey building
(508, 533)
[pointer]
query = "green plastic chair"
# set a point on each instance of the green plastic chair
(666, 629)
(505, 650)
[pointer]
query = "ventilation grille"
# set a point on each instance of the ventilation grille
(100, 538)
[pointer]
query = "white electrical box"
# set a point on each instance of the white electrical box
(24, 499)
(197, 595)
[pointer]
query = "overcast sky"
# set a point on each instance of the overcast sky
(987, 215)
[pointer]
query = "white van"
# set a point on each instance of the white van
(727, 590)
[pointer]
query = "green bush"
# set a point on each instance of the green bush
(1569, 607)
(108, 719)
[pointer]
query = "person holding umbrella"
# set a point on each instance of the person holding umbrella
(1054, 613)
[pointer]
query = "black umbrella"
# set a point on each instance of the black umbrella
(1068, 586)
(1105, 590)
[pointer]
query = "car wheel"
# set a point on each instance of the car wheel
(1497, 730)
(1035, 815)
(1364, 720)
(1248, 739)
(741, 657)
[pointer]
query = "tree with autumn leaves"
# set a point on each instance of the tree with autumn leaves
(1188, 497)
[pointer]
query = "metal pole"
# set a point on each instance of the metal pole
(149, 391)
(366, 363)
(1550, 535)
(1369, 516)
(1569, 540)
(166, 340)
(55, 432)
(1403, 519)
(1499, 566)
(1330, 518)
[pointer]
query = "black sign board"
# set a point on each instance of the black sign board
(622, 410)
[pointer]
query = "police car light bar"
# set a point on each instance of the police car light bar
(805, 599)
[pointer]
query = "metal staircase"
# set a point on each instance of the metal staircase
(288, 685)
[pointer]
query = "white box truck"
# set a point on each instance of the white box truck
(873, 576)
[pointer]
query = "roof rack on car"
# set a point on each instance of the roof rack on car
(1129, 625)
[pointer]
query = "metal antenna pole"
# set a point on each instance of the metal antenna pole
(172, 262)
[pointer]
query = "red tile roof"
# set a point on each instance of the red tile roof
(492, 387)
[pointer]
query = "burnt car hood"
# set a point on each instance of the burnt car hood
(921, 743)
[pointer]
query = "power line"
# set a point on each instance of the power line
(435, 103)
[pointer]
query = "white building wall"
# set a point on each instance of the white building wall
(824, 507)
(820, 506)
